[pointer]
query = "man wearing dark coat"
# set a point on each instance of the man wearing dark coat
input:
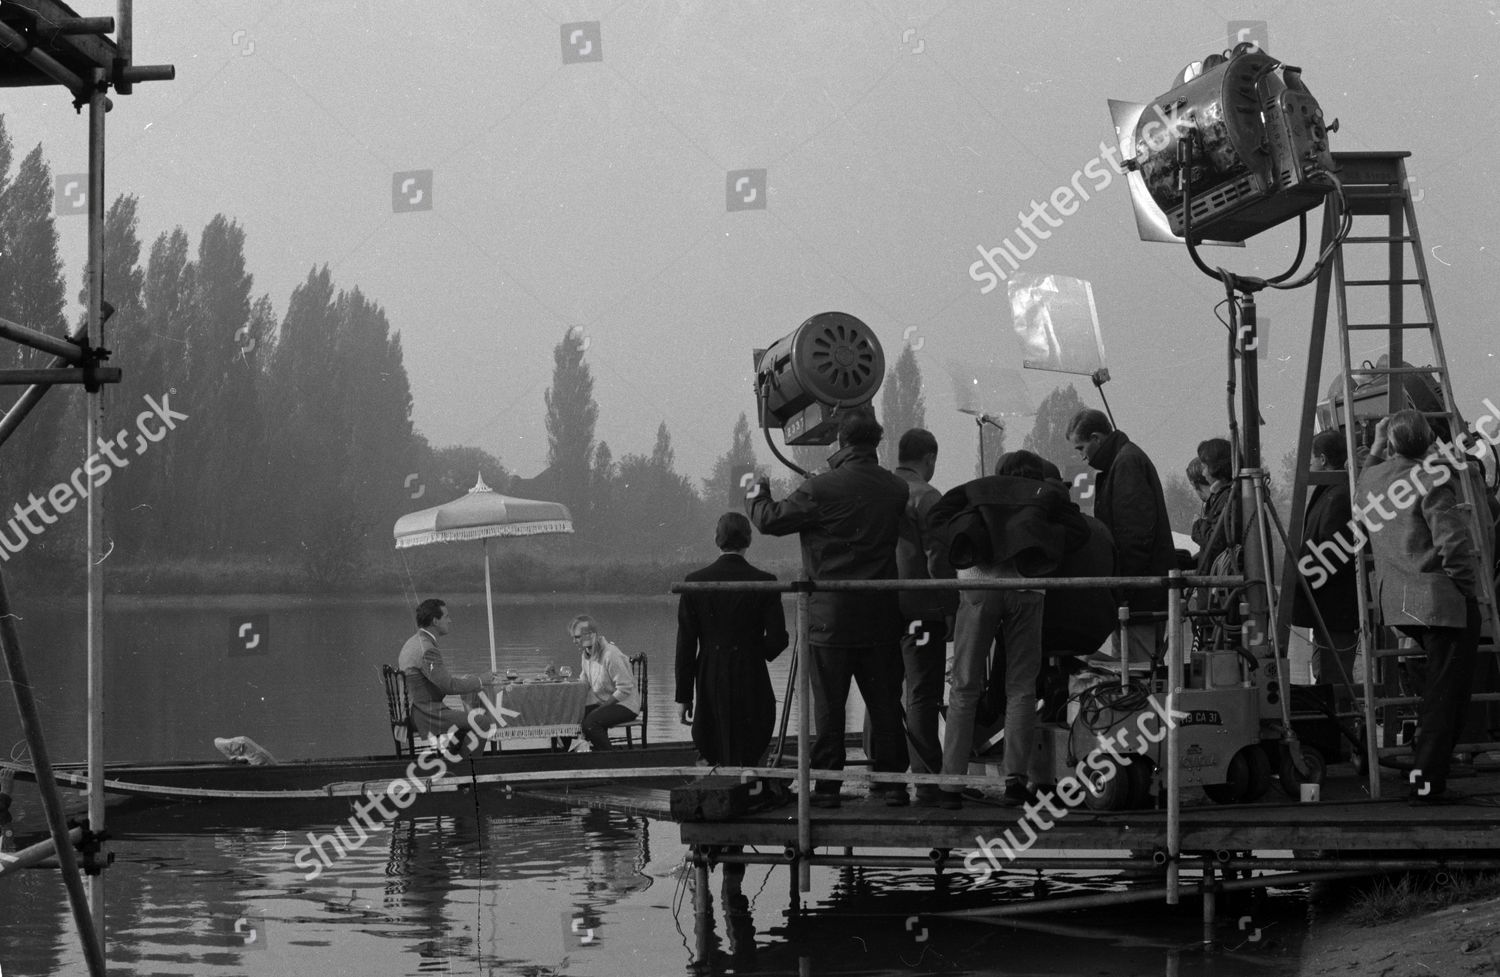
(1334, 594)
(1128, 499)
(724, 640)
(848, 520)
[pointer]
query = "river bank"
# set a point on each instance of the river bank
(1460, 939)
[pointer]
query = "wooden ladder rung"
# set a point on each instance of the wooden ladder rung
(1385, 371)
(1378, 239)
(1389, 325)
(1385, 281)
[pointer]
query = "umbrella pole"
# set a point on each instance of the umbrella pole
(489, 605)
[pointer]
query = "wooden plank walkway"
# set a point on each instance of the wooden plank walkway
(1343, 821)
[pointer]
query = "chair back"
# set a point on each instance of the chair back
(398, 709)
(638, 672)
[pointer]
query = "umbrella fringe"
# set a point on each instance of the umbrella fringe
(483, 532)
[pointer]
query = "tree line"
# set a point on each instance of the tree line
(298, 452)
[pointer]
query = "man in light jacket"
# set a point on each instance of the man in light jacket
(1426, 581)
(1013, 524)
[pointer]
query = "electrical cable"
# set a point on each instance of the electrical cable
(781, 457)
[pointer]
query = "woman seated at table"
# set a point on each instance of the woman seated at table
(614, 697)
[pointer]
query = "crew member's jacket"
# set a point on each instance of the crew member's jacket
(1425, 567)
(1080, 620)
(849, 519)
(1129, 500)
(1328, 515)
(1010, 522)
(921, 554)
(1211, 531)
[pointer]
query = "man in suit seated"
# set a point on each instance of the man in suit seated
(428, 679)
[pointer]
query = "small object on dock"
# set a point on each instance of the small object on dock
(724, 798)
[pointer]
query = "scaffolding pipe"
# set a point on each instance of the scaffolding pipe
(26, 336)
(41, 60)
(1175, 579)
(95, 548)
(31, 726)
(124, 42)
(49, 377)
(1095, 901)
(804, 745)
(35, 854)
(1174, 741)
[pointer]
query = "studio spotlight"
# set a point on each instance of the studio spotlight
(1249, 138)
(829, 363)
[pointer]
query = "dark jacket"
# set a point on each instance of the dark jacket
(724, 640)
(1003, 520)
(922, 555)
(1079, 621)
(1212, 531)
(1129, 501)
(849, 519)
(1328, 513)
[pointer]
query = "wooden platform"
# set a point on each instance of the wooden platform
(1344, 821)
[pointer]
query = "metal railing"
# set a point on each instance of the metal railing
(1175, 583)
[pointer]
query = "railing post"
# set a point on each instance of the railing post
(804, 743)
(1172, 780)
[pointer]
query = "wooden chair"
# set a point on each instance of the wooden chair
(398, 710)
(638, 671)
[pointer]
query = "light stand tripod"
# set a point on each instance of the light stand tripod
(980, 420)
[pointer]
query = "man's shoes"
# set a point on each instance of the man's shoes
(1436, 798)
(824, 799)
(928, 796)
(950, 800)
(1017, 794)
(895, 795)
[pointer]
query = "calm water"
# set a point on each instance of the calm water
(519, 887)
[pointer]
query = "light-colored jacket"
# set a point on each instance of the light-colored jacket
(610, 678)
(1425, 565)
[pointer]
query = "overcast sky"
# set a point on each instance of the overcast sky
(897, 137)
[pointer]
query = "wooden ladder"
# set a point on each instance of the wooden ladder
(1375, 185)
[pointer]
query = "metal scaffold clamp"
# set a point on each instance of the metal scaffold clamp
(90, 845)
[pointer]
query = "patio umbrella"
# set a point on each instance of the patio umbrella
(482, 513)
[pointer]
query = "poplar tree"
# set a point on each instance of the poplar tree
(902, 406)
(571, 415)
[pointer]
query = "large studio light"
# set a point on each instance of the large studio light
(1247, 135)
(829, 363)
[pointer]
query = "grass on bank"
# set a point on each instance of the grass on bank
(1394, 897)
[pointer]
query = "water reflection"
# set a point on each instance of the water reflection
(529, 887)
